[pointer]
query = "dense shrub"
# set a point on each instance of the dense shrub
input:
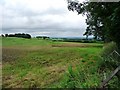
(108, 48)
(109, 62)
(109, 57)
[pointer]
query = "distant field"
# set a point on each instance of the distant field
(44, 63)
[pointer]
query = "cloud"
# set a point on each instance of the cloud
(43, 17)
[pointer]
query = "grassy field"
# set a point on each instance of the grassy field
(44, 63)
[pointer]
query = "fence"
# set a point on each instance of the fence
(115, 57)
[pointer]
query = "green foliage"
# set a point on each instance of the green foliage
(109, 62)
(110, 58)
(81, 77)
(103, 19)
(109, 48)
(84, 75)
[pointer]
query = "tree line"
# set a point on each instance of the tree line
(19, 35)
(42, 37)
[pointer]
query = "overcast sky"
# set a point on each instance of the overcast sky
(41, 17)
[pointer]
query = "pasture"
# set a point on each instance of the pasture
(41, 63)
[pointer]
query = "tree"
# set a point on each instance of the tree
(6, 35)
(103, 19)
(27, 36)
(42, 37)
(2, 35)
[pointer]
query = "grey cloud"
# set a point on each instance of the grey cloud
(52, 21)
(48, 32)
(22, 11)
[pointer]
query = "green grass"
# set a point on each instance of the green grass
(23, 42)
(44, 63)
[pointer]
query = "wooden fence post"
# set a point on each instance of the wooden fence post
(105, 82)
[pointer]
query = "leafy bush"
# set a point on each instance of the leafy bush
(109, 48)
(109, 56)
(110, 61)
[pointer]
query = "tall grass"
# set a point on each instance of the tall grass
(83, 76)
